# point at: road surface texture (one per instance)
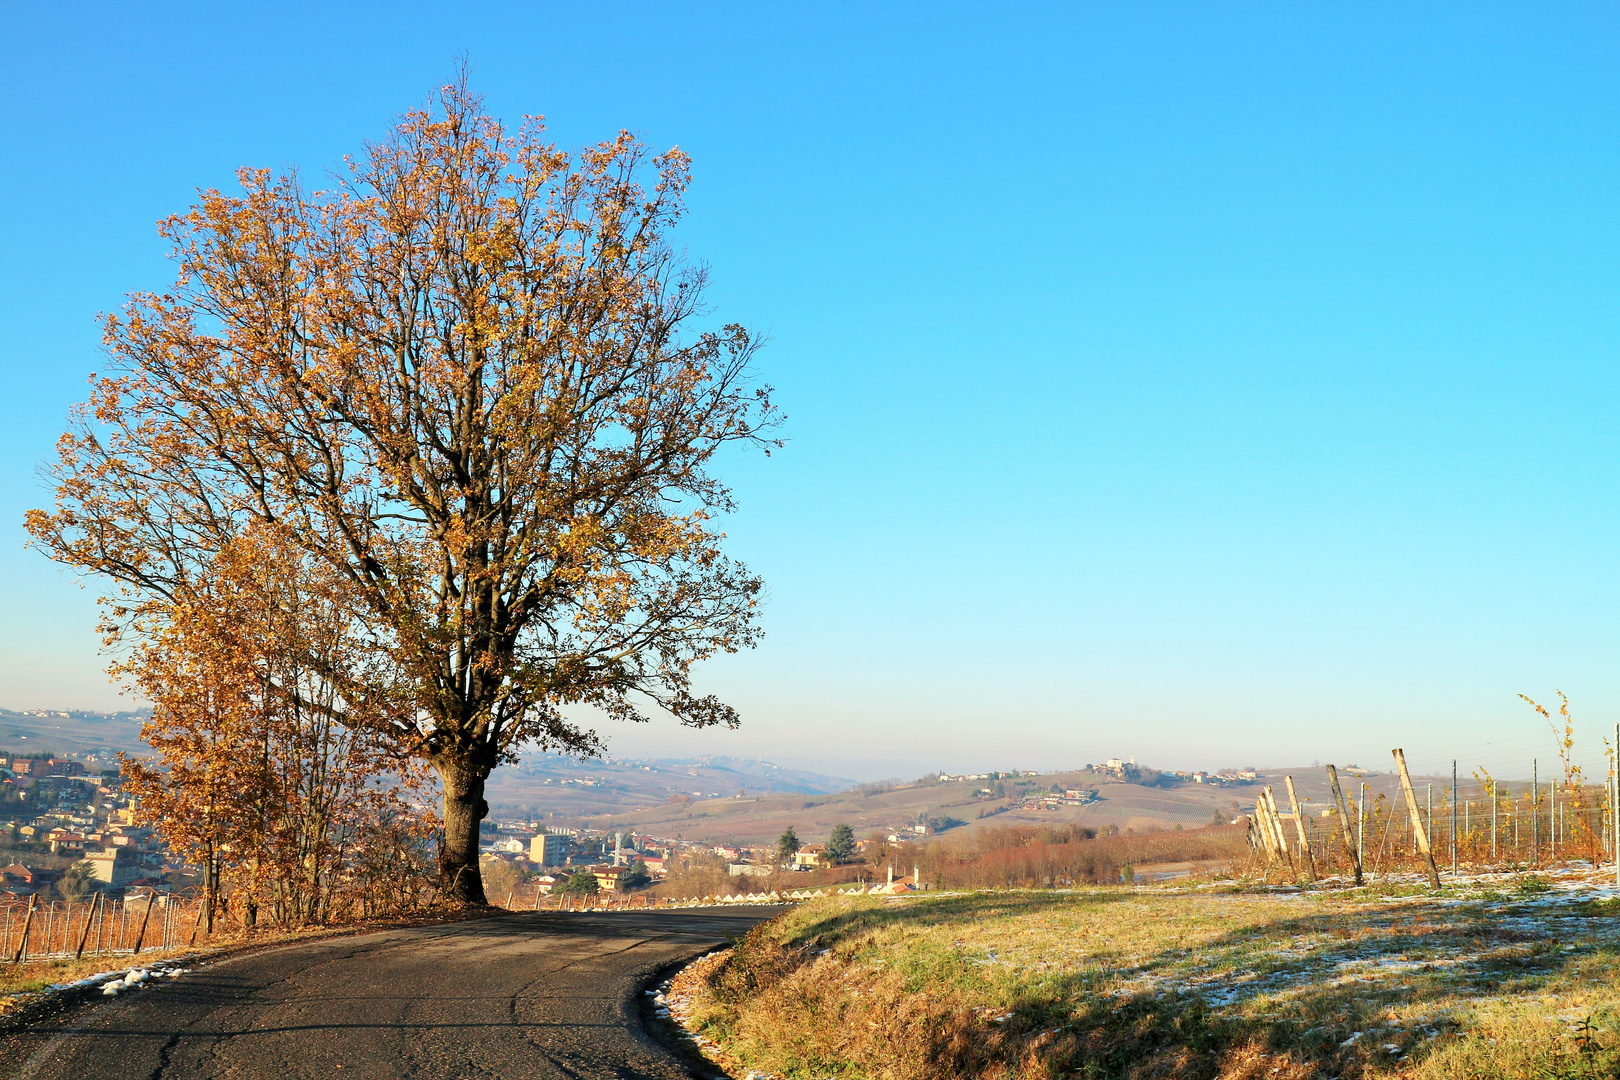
(543, 995)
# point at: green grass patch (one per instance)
(1115, 982)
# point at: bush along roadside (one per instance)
(1147, 983)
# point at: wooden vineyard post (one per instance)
(1351, 844)
(202, 906)
(1267, 813)
(1535, 811)
(1282, 831)
(1417, 818)
(1259, 832)
(1453, 816)
(1279, 830)
(89, 917)
(140, 934)
(1270, 822)
(22, 943)
(1299, 828)
(1614, 809)
(1262, 829)
(1361, 825)
(1495, 803)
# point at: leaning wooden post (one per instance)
(1280, 830)
(1350, 844)
(1299, 829)
(89, 917)
(1417, 818)
(22, 945)
(1264, 821)
(140, 935)
(1278, 836)
(202, 906)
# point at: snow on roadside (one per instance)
(125, 978)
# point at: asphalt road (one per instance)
(542, 996)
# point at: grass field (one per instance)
(1509, 976)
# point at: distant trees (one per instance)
(787, 846)
(700, 875)
(1013, 856)
(635, 876)
(77, 880)
(473, 381)
(501, 878)
(580, 883)
(940, 822)
(841, 845)
(877, 787)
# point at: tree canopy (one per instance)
(841, 844)
(472, 380)
(787, 846)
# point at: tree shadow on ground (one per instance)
(1341, 993)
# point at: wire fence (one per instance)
(1457, 825)
(95, 926)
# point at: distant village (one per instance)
(67, 826)
(549, 857)
(56, 812)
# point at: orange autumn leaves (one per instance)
(294, 816)
(474, 386)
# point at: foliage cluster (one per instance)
(1019, 856)
(265, 776)
(473, 381)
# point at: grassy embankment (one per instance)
(1503, 979)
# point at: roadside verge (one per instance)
(1500, 975)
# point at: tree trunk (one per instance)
(464, 808)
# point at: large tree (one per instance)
(473, 379)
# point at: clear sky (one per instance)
(1219, 384)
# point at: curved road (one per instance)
(545, 995)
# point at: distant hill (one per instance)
(554, 786)
(100, 735)
(670, 799)
(743, 801)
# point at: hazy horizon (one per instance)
(1214, 385)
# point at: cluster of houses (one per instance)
(552, 855)
(1053, 800)
(548, 857)
(55, 805)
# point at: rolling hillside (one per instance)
(758, 818)
(735, 801)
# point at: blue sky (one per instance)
(1221, 384)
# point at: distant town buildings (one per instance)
(549, 849)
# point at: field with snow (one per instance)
(1495, 975)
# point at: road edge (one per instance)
(34, 1006)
